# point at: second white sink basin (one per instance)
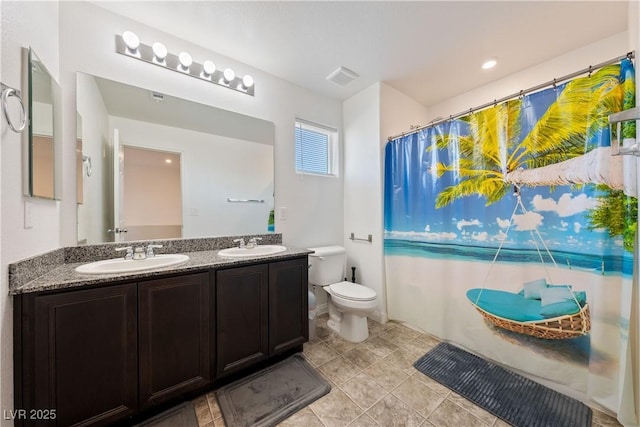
(119, 265)
(256, 251)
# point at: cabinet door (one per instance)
(241, 303)
(288, 305)
(85, 355)
(174, 337)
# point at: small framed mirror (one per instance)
(40, 148)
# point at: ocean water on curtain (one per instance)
(521, 191)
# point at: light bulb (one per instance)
(160, 52)
(208, 68)
(131, 40)
(229, 75)
(247, 81)
(185, 60)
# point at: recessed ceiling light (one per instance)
(168, 161)
(488, 64)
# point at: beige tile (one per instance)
(364, 420)
(385, 374)
(403, 359)
(339, 345)
(417, 395)
(304, 417)
(339, 370)
(379, 346)
(362, 357)
(448, 414)
(319, 354)
(211, 424)
(602, 419)
(363, 390)
(500, 423)
(375, 327)
(323, 332)
(219, 422)
(391, 411)
(213, 405)
(479, 412)
(400, 335)
(201, 407)
(335, 409)
(421, 344)
(432, 384)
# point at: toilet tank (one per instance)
(327, 265)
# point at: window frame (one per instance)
(332, 147)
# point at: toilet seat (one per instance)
(352, 291)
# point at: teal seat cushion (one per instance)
(557, 309)
(506, 304)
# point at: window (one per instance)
(316, 151)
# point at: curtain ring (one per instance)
(521, 94)
(590, 69)
(6, 93)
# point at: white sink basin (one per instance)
(256, 251)
(119, 265)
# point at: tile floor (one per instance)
(374, 384)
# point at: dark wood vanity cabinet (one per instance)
(241, 301)
(110, 354)
(288, 305)
(261, 311)
(80, 363)
(173, 337)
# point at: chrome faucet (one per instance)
(129, 252)
(138, 253)
(150, 249)
(253, 242)
(241, 241)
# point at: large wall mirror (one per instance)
(40, 147)
(164, 167)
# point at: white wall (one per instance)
(314, 205)
(369, 117)
(24, 24)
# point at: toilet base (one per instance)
(350, 327)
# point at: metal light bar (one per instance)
(629, 55)
(145, 53)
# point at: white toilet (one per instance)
(349, 303)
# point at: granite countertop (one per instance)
(64, 276)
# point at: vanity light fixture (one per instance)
(133, 42)
(129, 44)
(228, 75)
(159, 53)
(185, 62)
(208, 68)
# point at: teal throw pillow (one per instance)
(554, 295)
(533, 289)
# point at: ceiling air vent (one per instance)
(342, 76)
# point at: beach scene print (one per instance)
(510, 231)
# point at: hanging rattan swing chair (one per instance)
(560, 327)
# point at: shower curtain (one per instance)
(453, 224)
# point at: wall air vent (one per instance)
(342, 76)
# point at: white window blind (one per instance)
(315, 149)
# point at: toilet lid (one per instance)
(352, 291)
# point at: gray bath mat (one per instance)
(512, 397)
(183, 415)
(271, 395)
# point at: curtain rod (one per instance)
(437, 121)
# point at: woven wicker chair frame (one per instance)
(556, 328)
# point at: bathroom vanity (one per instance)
(107, 348)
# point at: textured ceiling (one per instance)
(430, 50)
